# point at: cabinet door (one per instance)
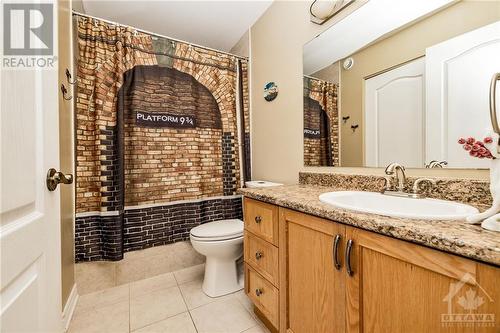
(312, 290)
(397, 286)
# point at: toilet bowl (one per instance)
(221, 242)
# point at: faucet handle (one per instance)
(387, 184)
(416, 186)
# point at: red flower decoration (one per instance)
(477, 148)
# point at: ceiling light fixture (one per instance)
(323, 10)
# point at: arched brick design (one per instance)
(170, 164)
(317, 150)
(107, 222)
(220, 80)
(102, 61)
(325, 93)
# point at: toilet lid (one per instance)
(223, 229)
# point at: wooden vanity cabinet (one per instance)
(397, 286)
(312, 288)
(260, 253)
(381, 284)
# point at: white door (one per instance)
(30, 278)
(458, 74)
(394, 116)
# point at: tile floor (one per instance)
(171, 302)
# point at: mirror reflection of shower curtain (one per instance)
(321, 123)
(157, 145)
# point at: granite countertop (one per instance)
(455, 237)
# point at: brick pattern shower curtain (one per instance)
(321, 123)
(158, 125)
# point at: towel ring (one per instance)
(493, 106)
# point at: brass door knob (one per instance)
(259, 255)
(258, 292)
(258, 219)
(54, 178)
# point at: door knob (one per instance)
(55, 177)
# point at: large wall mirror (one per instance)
(404, 87)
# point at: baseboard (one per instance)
(69, 308)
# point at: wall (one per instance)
(276, 41)
(399, 48)
(330, 73)
(242, 47)
(276, 55)
(66, 152)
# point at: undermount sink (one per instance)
(382, 204)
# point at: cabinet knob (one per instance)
(259, 255)
(258, 292)
(258, 219)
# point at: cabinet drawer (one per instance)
(263, 294)
(262, 256)
(262, 220)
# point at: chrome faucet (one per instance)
(395, 171)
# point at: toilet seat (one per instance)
(218, 230)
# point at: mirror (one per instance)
(405, 87)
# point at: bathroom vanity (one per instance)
(313, 268)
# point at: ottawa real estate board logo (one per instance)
(27, 35)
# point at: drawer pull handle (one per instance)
(348, 257)
(258, 219)
(336, 243)
(258, 292)
(259, 255)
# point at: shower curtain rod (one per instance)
(157, 35)
(312, 77)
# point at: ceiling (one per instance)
(216, 24)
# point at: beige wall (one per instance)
(276, 41)
(330, 73)
(402, 47)
(66, 148)
(77, 5)
(242, 47)
(276, 55)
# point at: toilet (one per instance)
(221, 242)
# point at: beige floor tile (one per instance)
(103, 298)
(226, 315)
(94, 276)
(155, 306)
(244, 300)
(155, 283)
(181, 323)
(190, 274)
(257, 329)
(194, 295)
(111, 318)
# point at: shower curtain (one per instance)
(161, 128)
(321, 123)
